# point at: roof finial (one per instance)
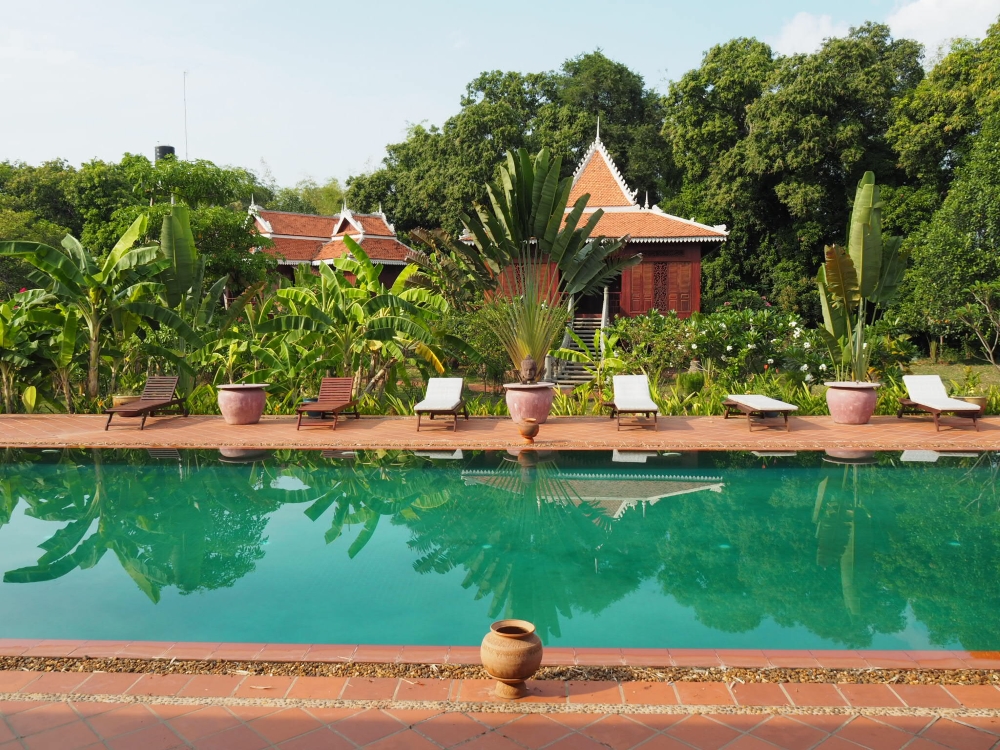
(647, 200)
(380, 208)
(598, 128)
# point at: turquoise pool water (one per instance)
(695, 550)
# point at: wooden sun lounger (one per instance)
(444, 397)
(753, 405)
(157, 396)
(335, 397)
(631, 396)
(927, 395)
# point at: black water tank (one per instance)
(162, 151)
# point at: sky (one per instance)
(311, 89)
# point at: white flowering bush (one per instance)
(737, 344)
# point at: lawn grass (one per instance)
(956, 371)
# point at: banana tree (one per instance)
(600, 360)
(182, 291)
(350, 318)
(100, 291)
(61, 347)
(17, 342)
(867, 273)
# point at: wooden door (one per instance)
(641, 292)
(679, 291)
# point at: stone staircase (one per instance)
(574, 373)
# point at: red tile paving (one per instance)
(674, 433)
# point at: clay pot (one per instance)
(511, 653)
(529, 401)
(242, 404)
(850, 402)
(528, 429)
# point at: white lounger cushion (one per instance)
(443, 394)
(762, 403)
(928, 390)
(632, 394)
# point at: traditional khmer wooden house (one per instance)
(669, 276)
(312, 240)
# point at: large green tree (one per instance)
(774, 146)
(433, 176)
(961, 243)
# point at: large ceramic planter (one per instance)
(242, 403)
(979, 401)
(122, 400)
(530, 401)
(511, 653)
(851, 402)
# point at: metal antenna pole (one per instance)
(185, 115)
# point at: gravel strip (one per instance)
(513, 707)
(473, 672)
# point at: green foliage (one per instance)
(310, 197)
(958, 248)
(772, 147)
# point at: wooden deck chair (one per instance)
(927, 395)
(444, 396)
(632, 397)
(158, 395)
(753, 405)
(335, 397)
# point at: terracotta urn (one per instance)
(851, 402)
(529, 400)
(511, 653)
(528, 429)
(242, 403)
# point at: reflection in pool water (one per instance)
(636, 550)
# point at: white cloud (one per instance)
(806, 32)
(934, 23)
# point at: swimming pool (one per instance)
(693, 550)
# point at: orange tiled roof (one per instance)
(598, 176)
(651, 223)
(291, 249)
(374, 224)
(302, 225)
(377, 249)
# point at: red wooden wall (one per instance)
(668, 278)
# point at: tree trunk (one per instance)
(7, 383)
(64, 380)
(93, 368)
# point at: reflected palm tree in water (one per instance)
(202, 529)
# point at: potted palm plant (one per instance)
(532, 255)
(527, 320)
(852, 284)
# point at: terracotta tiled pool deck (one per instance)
(674, 433)
(119, 710)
